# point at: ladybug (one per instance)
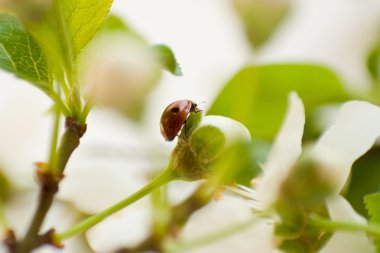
(174, 117)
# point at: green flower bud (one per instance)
(195, 155)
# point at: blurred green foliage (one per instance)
(373, 63)
(239, 163)
(4, 187)
(246, 160)
(256, 96)
(163, 54)
(260, 18)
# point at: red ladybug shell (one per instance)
(174, 117)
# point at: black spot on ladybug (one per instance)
(175, 110)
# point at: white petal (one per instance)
(217, 216)
(354, 132)
(232, 129)
(25, 131)
(179, 191)
(347, 242)
(257, 238)
(126, 228)
(97, 184)
(286, 149)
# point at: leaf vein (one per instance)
(31, 57)
(9, 57)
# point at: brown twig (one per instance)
(49, 185)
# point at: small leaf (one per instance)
(114, 23)
(372, 203)
(257, 96)
(82, 19)
(365, 169)
(19, 53)
(165, 57)
(261, 18)
(192, 122)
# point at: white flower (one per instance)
(354, 132)
(286, 149)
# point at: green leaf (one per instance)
(20, 54)
(365, 179)
(372, 203)
(257, 96)
(82, 18)
(64, 29)
(261, 18)
(165, 57)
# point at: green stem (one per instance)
(54, 140)
(183, 245)
(87, 108)
(3, 221)
(69, 142)
(161, 214)
(58, 102)
(65, 88)
(330, 225)
(164, 178)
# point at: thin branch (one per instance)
(159, 181)
(54, 139)
(331, 225)
(49, 180)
